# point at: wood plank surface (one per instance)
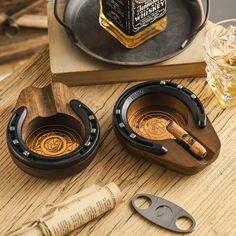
(9, 68)
(209, 196)
(25, 44)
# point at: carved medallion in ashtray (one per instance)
(51, 134)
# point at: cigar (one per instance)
(186, 139)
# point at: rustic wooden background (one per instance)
(11, 7)
(29, 40)
(209, 196)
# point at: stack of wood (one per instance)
(23, 28)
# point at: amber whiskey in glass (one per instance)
(132, 22)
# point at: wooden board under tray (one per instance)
(72, 66)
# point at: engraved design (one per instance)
(53, 141)
(152, 124)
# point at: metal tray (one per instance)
(184, 18)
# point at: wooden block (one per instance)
(72, 66)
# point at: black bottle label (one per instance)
(116, 11)
(131, 16)
(146, 12)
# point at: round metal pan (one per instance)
(184, 18)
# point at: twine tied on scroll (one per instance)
(61, 219)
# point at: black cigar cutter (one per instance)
(163, 213)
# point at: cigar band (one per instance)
(187, 138)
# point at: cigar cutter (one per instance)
(52, 134)
(163, 213)
(141, 117)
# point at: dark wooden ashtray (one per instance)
(141, 117)
(51, 134)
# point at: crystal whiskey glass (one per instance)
(220, 46)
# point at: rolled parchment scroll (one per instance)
(76, 211)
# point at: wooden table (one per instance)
(209, 196)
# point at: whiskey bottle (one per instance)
(132, 22)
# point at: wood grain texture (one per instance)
(24, 47)
(209, 196)
(8, 68)
(45, 102)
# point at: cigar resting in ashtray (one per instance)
(74, 212)
(186, 139)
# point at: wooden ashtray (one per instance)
(142, 118)
(51, 134)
